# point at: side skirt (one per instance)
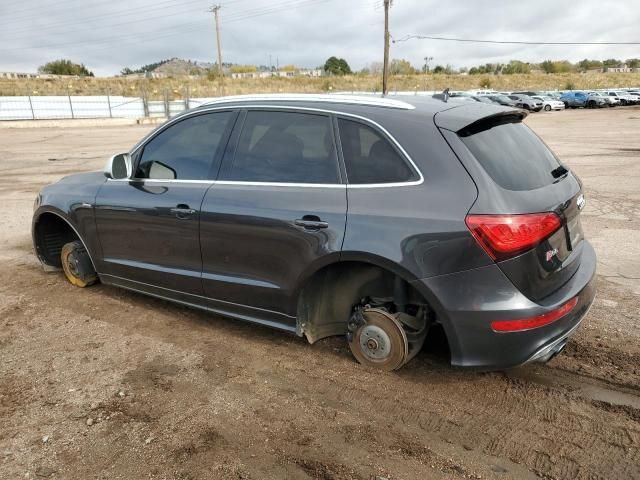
(268, 318)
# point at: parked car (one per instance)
(311, 214)
(530, 93)
(581, 99)
(549, 103)
(609, 100)
(502, 100)
(482, 99)
(624, 97)
(526, 102)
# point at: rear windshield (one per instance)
(514, 156)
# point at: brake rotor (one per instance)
(380, 341)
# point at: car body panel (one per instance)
(240, 252)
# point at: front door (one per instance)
(149, 225)
(277, 212)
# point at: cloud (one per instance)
(108, 36)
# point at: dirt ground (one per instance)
(102, 383)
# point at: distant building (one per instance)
(303, 72)
(18, 75)
(623, 68)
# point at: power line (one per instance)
(151, 36)
(504, 42)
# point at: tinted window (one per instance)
(285, 147)
(369, 157)
(512, 155)
(185, 150)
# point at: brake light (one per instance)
(534, 322)
(505, 236)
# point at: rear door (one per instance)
(277, 212)
(517, 173)
(149, 225)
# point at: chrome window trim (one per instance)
(316, 97)
(215, 108)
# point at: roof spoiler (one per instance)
(474, 117)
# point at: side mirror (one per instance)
(118, 166)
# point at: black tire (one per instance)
(77, 265)
(547, 108)
(591, 104)
(566, 105)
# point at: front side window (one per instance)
(186, 150)
(285, 147)
(369, 157)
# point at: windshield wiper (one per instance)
(558, 172)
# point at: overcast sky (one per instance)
(109, 35)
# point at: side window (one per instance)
(185, 150)
(369, 157)
(285, 147)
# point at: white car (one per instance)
(549, 103)
(611, 100)
(624, 97)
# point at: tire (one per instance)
(591, 104)
(547, 108)
(566, 105)
(77, 265)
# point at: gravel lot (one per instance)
(102, 383)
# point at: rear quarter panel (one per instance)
(418, 228)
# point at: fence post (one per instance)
(145, 103)
(186, 98)
(33, 115)
(166, 104)
(109, 102)
(70, 104)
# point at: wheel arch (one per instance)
(50, 230)
(326, 296)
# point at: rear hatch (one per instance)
(527, 215)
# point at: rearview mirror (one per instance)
(118, 166)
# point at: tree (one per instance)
(337, 66)
(401, 67)
(516, 66)
(288, 68)
(551, 66)
(243, 68)
(586, 64)
(633, 62)
(438, 69)
(65, 67)
(611, 62)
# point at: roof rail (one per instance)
(372, 100)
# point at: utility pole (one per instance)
(426, 64)
(215, 9)
(385, 65)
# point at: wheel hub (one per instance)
(375, 343)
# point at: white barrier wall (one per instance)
(112, 106)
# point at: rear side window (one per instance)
(369, 157)
(514, 156)
(185, 150)
(285, 147)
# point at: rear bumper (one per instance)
(468, 301)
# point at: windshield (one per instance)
(514, 156)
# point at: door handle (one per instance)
(311, 222)
(182, 211)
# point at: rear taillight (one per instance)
(505, 236)
(534, 322)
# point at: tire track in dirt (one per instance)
(429, 417)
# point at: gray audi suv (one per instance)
(375, 219)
